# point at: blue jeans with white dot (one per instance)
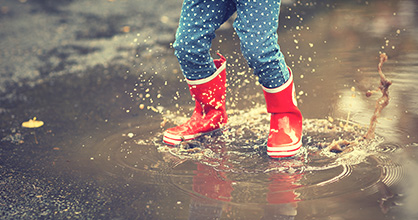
(256, 25)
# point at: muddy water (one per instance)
(100, 154)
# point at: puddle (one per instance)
(100, 152)
(231, 169)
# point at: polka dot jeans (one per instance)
(256, 25)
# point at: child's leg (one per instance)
(206, 77)
(256, 26)
(198, 22)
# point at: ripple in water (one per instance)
(232, 165)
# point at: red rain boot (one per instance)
(209, 113)
(285, 137)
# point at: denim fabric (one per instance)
(256, 25)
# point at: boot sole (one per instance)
(175, 140)
(284, 151)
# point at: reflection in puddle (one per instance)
(232, 171)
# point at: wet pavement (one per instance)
(102, 77)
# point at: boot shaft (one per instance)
(210, 93)
(282, 99)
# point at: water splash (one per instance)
(383, 101)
